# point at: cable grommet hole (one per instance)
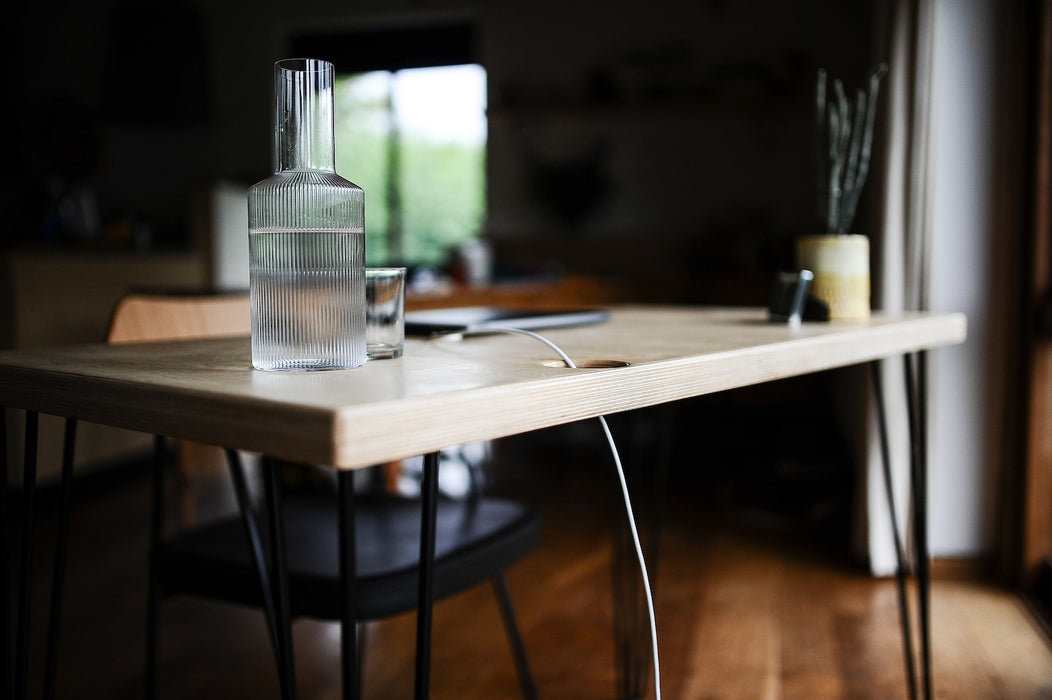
(589, 364)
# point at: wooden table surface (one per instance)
(444, 392)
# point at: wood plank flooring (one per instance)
(750, 604)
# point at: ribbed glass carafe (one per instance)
(306, 229)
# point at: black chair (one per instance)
(476, 537)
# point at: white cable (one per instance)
(624, 491)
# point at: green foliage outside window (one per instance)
(425, 158)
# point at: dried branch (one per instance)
(843, 164)
(821, 198)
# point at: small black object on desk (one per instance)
(792, 302)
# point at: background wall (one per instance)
(695, 118)
(690, 119)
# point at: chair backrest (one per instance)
(141, 317)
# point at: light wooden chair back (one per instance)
(141, 317)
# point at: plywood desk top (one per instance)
(444, 392)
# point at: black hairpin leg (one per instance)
(917, 393)
(279, 578)
(429, 514)
(901, 571)
(255, 544)
(29, 480)
(916, 373)
(153, 591)
(5, 561)
(518, 649)
(349, 648)
(59, 573)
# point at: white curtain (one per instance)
(900, 253)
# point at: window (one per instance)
(415, 141)
(411, 131)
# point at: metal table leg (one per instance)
(153, 592)
(518, 649)
(349, 652)
(28, 546)
(279, 578)
(59, 572)
(5, 561)
(29, 479)
(21, 669)
(901, 571)
(917, 388)
(919, 680)
(429, 514)
(255, 543)
(273, 579)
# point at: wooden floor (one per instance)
(752, 602)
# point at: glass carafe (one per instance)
(306, 236)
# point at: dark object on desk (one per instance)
(475, 539)
(815, 309)
(459, 319)
(792, 302)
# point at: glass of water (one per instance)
(384, 312)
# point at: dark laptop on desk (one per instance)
(479, 318)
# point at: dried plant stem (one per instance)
(842, 163)
(821, 199)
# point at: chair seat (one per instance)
(474, 538)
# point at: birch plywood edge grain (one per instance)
(445, 392)
(650, 357)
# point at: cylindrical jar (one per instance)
(840, 264)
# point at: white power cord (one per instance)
(624, 491)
